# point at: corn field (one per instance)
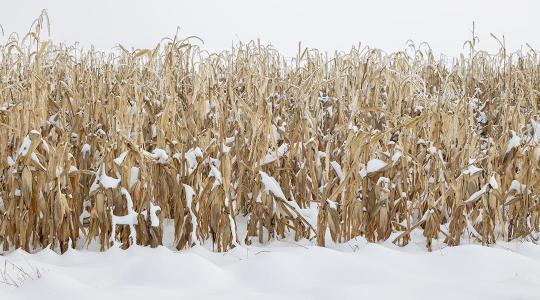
(107, 147)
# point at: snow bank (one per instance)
(284, 270)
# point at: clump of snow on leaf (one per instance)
(514, 142)
(103, 180)
(471, 170)
(271, 184)
(372, 166)
(274, 155)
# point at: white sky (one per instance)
(328, 25)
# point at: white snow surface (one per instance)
(281, 270)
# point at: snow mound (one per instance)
(283, 270)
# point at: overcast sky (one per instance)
(327, 25)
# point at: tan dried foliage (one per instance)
(191, 133)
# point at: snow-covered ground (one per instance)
(279, 270)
